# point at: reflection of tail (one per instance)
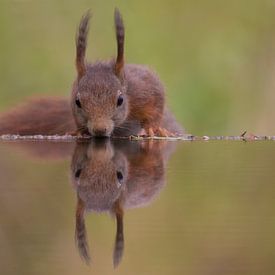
(119, 242)
(80, 232)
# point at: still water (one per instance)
(137, 207)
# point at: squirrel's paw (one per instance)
(80, 134)
(159, 132)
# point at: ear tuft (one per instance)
(81, 42)
(119, 27)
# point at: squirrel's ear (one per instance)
(119, 26)
(119, 242)
(80, 231)
(81, 42)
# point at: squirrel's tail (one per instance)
(44, 116)
(81, 43)
(120, 34)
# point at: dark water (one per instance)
(144, 207)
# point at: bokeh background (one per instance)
(215, 215)
(216, 58)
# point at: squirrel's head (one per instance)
(99, 100)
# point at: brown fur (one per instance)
(81, 42)
(120, 43)
(45, 116)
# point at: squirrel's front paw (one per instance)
(158, 132)
(81, 133)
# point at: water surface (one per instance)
(143, 207)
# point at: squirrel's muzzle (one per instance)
(101, 128)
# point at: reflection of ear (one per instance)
(119, 242)
(80, 232)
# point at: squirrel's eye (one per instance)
(119, 176)
(77, 102)
(119, 100)
(77, 173)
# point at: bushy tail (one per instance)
(81, 42)
(39, 116)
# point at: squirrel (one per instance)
(108, 99)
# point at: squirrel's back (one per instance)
(145, 86)
(45, 116)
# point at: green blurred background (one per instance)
(216, 58)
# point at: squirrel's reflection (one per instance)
(111, 176)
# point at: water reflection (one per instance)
(111, 177)
(215, 215)
(108, 176)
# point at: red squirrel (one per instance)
(108, 99)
